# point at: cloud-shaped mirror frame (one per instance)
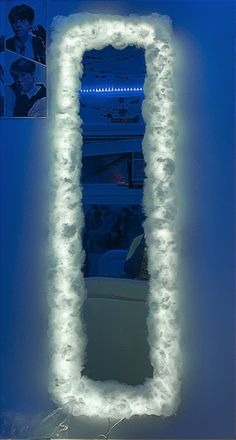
(72, 36)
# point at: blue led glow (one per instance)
(111, 89)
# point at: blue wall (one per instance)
(206, 176)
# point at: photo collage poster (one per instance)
(23, 60)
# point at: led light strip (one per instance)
(79, 395)
(112, 89)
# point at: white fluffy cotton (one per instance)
(72, 36)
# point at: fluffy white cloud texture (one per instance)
(71, 37)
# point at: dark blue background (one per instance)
(206, 172)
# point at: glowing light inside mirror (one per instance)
(111, 89)
(79, 395)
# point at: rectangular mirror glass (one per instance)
(112, 178)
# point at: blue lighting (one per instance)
(111, 90)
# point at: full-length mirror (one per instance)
(114, 186)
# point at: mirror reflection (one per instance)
(115, 268)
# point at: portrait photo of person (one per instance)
(29, 39)
(25, 97)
